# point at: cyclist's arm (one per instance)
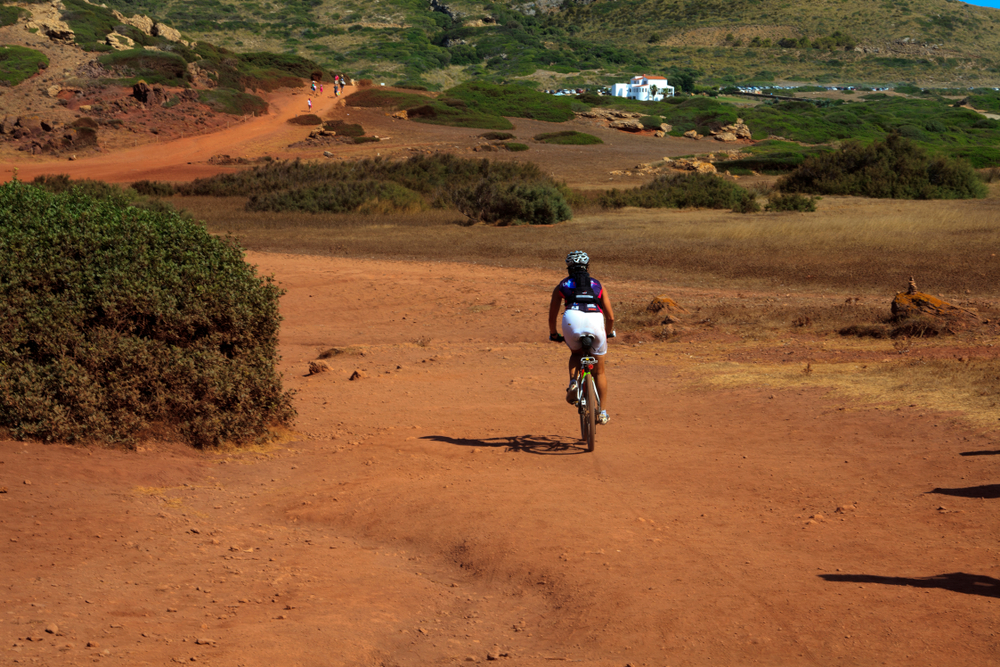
(609, 313)
(554, 309)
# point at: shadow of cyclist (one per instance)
(546, 445)
(959, 582)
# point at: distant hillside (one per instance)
(437, 42)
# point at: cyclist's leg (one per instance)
(601, 379)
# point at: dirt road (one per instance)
(438, 510)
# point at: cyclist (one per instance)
(588, 311)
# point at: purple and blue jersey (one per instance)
(581, 301)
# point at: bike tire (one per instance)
(592, 408)
(584, 418)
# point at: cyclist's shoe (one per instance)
(603, 417)
(571, 392)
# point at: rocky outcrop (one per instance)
(37, 135)
(733, 132)
(143, 23)
(119, 42)
(664, 303)
(151, 95)
(168, 33)
(627, 125)
(201, 77)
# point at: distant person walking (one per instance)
(321, 89)
(310, 103)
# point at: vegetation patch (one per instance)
(120, 318)
(306, 119)
(568, 138)
(791, 202)
(344, 129)
(384, 99)
(224, 100)
(9, 15)
(895, 168)
(151, 66)
(481, 189)
(512, 100)
(681, 191)
(90, 23)
(496, 136)
(515, 147)
(18, 63)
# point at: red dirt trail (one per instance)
(439, 510)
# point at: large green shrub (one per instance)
(118, 319)
(9, 15)
(681, 191)
(491, 200)
(151, 66)
(895, 168)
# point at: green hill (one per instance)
(930, 42)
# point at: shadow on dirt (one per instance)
(981, 491)
(531, 444)
(982, 452)
(959, 582)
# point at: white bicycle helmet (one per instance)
(577, 258)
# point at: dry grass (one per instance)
(855, 245)
(775, 280)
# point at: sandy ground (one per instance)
(440, 510)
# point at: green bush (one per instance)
(680, 191)
(494, 201)
(496, 136)
(568, 138)
(895, 168)
(18, 63)
(514, 147)
(512, 100)
(224, 100)
(791, 202)
(365, 140)
(90, 23)
(651, 122)
(119, 319)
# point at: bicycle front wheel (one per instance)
(592, 408)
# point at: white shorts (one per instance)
(576, 323)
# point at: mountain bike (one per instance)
(588, 401)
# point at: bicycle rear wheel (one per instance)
(592, 408)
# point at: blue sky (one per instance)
(984, 3)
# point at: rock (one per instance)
(53, 91)
(659, 134)
(143, 23)
(664, 303)
(166, 32)
(725, 136)
(119, 42)
(626, 125)
(147, 94)
(327, 154)
(205, 642)
(401, 115)
(93, 645)
(666, 127)
(316, 367)
(52, 628)
(358, 375)
(692, 134)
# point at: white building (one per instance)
(641, 87)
